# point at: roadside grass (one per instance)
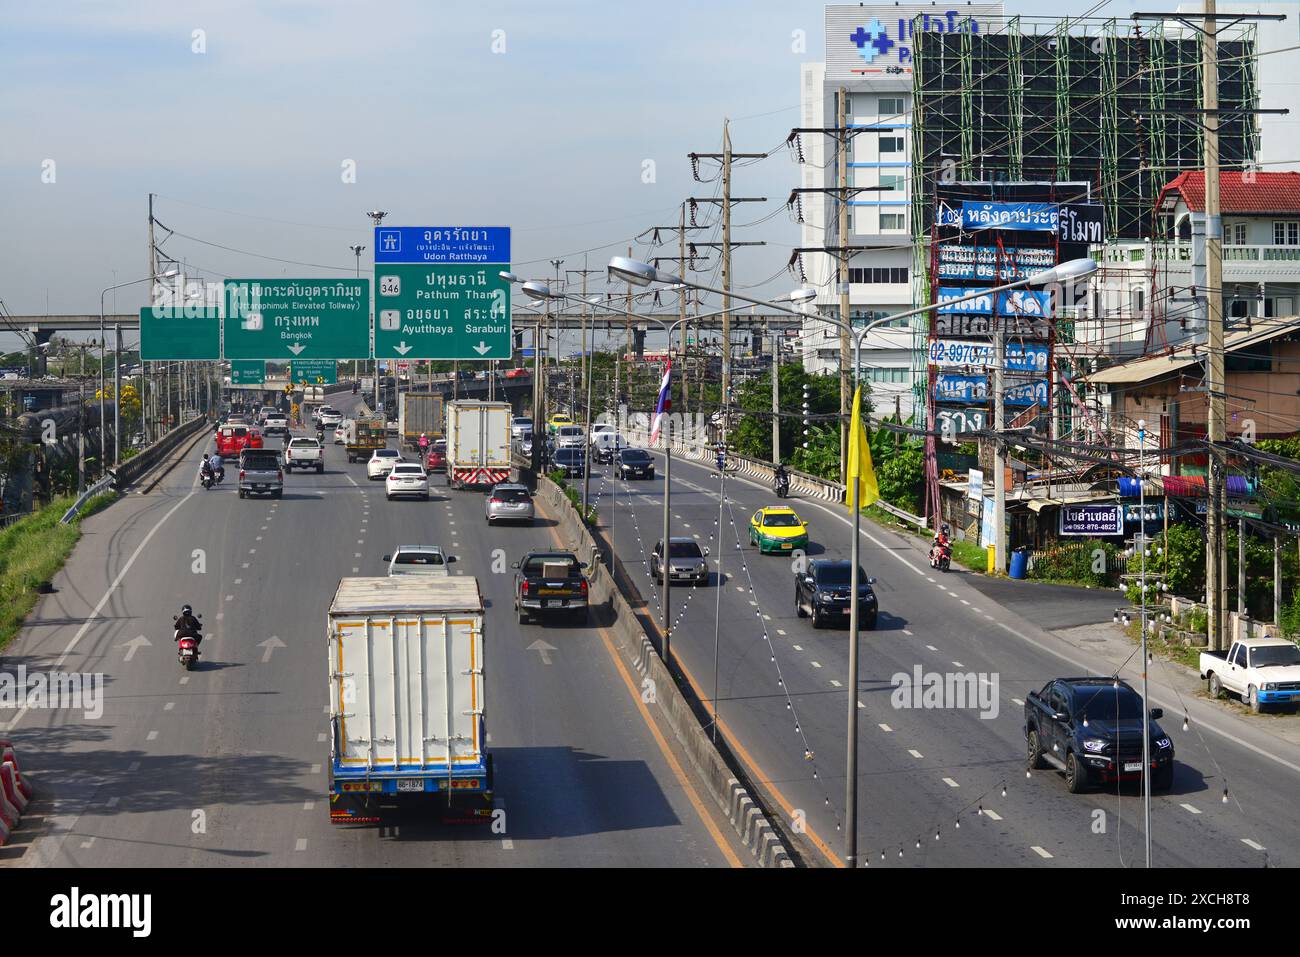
(32, 550)
(966, 554)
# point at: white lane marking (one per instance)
(99, 606)
(929, 579)
(315, 769)
(906, 632)
(300, 844)
(86, 844)
(932, 647)
(230, 598)
(1251, 844)
(308, 805)
(815, 664)
(185, 680)
(951, 783)
(958, 664)
(151, 736)
(914, 753)
(1040, 852)
(797, 647)
(767, 617)
(886, 728)
(355, 569)
(220, 615)
(836, 683)
(780, 631)
(169, 705)
(353, 481)
(1190, 808)
(239, 581)
(507, 844)
(861, 705)
(1018, 702)
(992, 815)
(243, 564)
(965, 602)
(320, 736)
(252, 551)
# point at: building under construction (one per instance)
(1109, 103)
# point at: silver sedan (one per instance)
(509, 502)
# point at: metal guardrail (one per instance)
(9, 519)
(799, 481)
(101, 486)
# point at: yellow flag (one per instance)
(861, 474)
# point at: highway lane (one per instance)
(924, 769)
(226, 766)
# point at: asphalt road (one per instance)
(226, 766)
(783, 697)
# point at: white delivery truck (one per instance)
(478, 442)
(406, 699)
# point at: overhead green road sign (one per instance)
(297, 319)
(441, 312)
(247, 372)
(314, 371)
(177, 333)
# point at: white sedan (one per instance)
(381, 462)
(407, 478)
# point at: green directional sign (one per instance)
(441, 312)
(182, 332)
(314, 371)
(247, 372)
(289, 319)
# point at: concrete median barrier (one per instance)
(732, 797)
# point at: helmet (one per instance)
(186, 610)
(205, 455)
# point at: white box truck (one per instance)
(407, 713)
(478, 442)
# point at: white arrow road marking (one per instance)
(543, 649)
(270, 645)
(402, 349)
(134, 645)
(297, 349)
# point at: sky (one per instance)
(568, 120)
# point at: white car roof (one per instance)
(384, 453)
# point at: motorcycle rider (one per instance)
(942, 540)
(782, 476)
(205, 469)
(188, 626)
(218, 466)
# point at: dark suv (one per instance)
(824, 591)
(1091, 728)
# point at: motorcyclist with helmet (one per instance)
(188, 626)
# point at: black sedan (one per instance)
(824, 589)
(572, 461)
(635, 463)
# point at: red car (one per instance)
(231, 440)
(436, 461)
(516, 373)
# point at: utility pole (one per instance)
(727, 156)
(152, 367)
(842, 273)
(776, 396)
(726, 272)
(1000, 450)
(1215, 583)
(117, 394)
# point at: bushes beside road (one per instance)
(32, 550)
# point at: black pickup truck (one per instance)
(549, 584)
(1091, 728)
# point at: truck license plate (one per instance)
(1132, 765)
(410, 784)
(554, 604)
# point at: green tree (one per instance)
(753, 434)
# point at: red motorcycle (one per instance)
(187, 653)
(941, 555)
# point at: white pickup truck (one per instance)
(1261, 671)
(304, 454)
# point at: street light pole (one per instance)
(1146, 710)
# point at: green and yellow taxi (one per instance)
(777, 529)
(557, 422)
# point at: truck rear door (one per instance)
(409, 692)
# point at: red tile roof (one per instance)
(1240, 192)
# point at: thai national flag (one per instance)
(665, 402)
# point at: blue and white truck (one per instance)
(407, 711)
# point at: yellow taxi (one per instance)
(777, 529)
(557, 421)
